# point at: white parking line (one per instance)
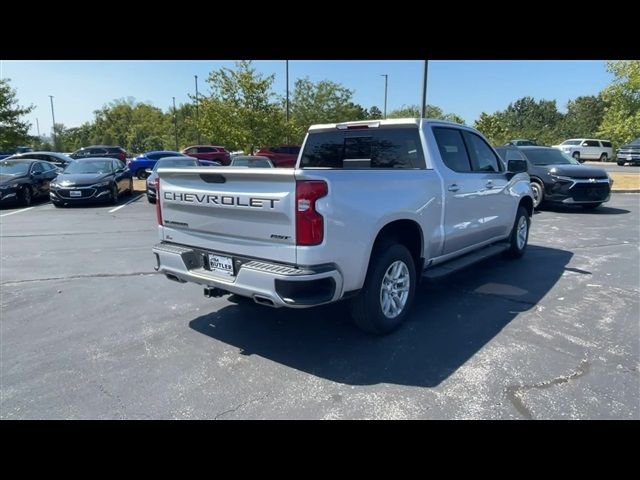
(125, 204)
(16, 211)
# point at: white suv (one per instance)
(587, 149)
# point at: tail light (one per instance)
(309, 223)
(122, 156)
(158, 199)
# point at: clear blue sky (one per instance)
(463, 87)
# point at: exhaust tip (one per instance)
(263, 301)
(174, 278)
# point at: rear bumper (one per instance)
(268, 283)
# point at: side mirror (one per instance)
(517, 166)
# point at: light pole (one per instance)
(197, 112)
(287, 102)
(386, 78)
(175, 122)
(424, 90)
(38, 126)
(54, 124)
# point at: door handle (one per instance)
(490, 184)
(453, 188)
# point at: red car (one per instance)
(284, 156)
(209, 152)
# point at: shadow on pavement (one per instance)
(450, 322)
(602, 210)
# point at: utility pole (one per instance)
(197, 112)
(287, 81)
(53, 130)
(38, 126)
(386, 78)
(423, 108)
(175, 122)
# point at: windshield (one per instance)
(251, 162)
(549, 156)
(635, 142)
(14, 167)
(90, 166)
(571, 142)
(164, 163)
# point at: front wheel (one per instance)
(604, 157)
(26, 196)
(590, 206)
(130, 187)
(114, 194)
(538, 193)
(141, 174)
(387, 295)
(519, 234)
(576, 155)
(620, 164)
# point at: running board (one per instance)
(465, 261)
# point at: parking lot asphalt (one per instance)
(89, 330)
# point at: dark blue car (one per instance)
(139, 165)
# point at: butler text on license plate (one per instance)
(221, 264)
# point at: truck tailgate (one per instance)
(241, 211)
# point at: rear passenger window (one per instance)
(37, 167)
(452, 149)
(592, 143)
(370, 148)
(482, 157)
(606, 144)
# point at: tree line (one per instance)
(241, 111)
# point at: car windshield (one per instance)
(90, 166)
(549, 156)
(14, 167)
(571, 142)
(177, 162)
(251, 162)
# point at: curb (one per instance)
(626, 191)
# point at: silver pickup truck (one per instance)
(370, 208)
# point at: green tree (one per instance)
(431, 111)
(321, 102)
(621, 120)
(493, 126)
(375, 113)
(240, 111)
(539, 121)
(584, 116)
(14, 130)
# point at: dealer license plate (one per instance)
(221, 264)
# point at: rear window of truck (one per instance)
(364, 149)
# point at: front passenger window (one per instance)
(482, 157)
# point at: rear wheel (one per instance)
(604, 157)
(538, 193)
(590, 206)
(26, 195)
(576, 155)
(141, 174)
(519, 234)
(387, 295)
(151, 199)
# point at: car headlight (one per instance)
(101, 184)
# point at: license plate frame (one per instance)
(220, 264)
(75, 193)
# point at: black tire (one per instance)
(58, 204)
(516, 247)
(604, 157)
(538, 193)
(130, 189)
(151, 199)
(366, 309)
(141, 174)
(590, 206)
(620, 164)
(576, 155)
(114, 194)
(25, 195)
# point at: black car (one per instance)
(91, 180)
(58, 159)
(24, 180)
(101, 151)
(558, 178)
(521, 142)
(629, 153)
